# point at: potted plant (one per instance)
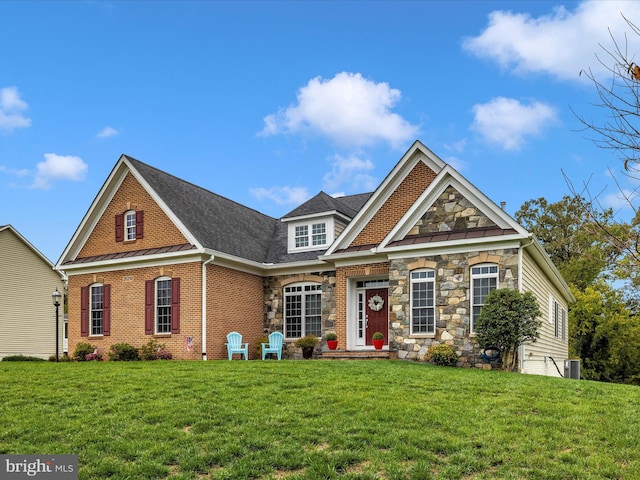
(332, 340)
(378, 340)
(307, 344)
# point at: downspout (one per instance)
(204, 307)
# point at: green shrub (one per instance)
(82, 350)
(259, 342)
(443, 355)
(123, 352)
(153, 350)
(309, 341)
(331, 336)
(378, 336)
(22, 358)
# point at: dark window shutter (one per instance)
(84, 311)
(106, 310)
(149, 306)
(175, 305)
(120, 227)
(139, 224)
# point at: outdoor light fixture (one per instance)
(57, 300)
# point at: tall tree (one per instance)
(576, 246)
(605, 335)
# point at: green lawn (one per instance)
(316, 420)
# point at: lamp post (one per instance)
(56, 297)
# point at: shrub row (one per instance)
(122, 352)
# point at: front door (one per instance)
(377, 313)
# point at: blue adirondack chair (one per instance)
(274, 345)
(234, 345)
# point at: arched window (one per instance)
(303, 310)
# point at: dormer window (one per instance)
(310, 235)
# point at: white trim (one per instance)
(90, 312)
(329, 233)
(412, 281)
(473, 277)
(312, 216)
(101, 202)
(440, 248)
(446, 178)
(156, 280)
(204, 306)
(416, 153)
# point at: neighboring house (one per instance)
(158, 258)
(27, 314)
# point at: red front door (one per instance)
(377, 310)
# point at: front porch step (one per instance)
(355, 355)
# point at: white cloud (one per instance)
(14, 171)
(349, 170)
(506, 122)
(11, 108)
(282, 195)
(620, 200)
(561, 43)
(59, 167)
(107, 132)
(348, 109)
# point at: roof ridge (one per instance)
(198, 186)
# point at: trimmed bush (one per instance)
(22, 358)
(82, 350)
(123, 352)
(443, 355)
(153, 350)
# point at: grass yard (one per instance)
(317, 420)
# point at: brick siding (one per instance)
(159, 230)
(396, 206)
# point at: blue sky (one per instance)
(267, 103)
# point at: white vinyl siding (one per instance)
(539, 356)
(27, 314)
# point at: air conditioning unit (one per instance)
(572, 369)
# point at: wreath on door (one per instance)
(375, 303)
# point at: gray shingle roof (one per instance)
(322, 202)
(216, 222)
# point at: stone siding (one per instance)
(452, 297)
(274, 306)
(451, 211)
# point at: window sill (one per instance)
(96, 337)
(161, 335)
(422, 335)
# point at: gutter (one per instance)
(204, 306)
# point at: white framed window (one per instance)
(96, 309)
(558, 318)
(130, 225)
(163, 305)
(423, 317)
(311, 234)
(318, 234)
(302, 236)
(303, 310)
(484, 279)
